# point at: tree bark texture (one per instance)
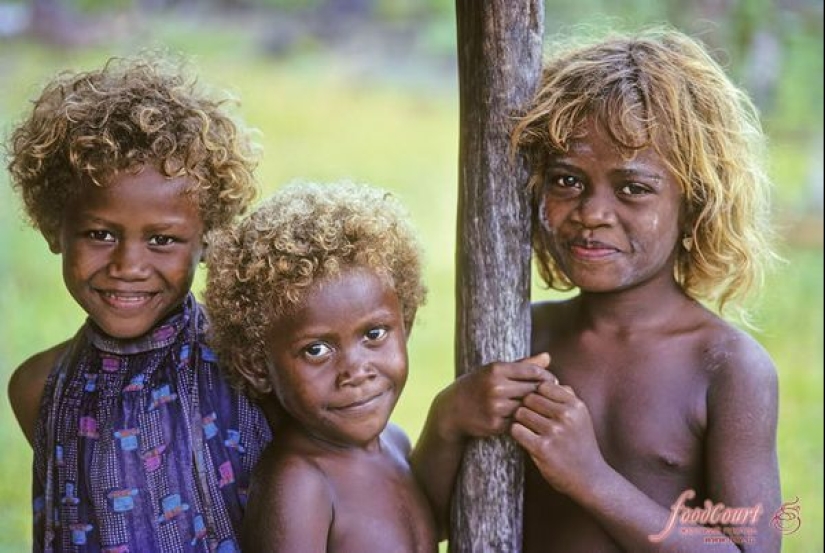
(499, 62)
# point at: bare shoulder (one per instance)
(26, 386)
(732, 352)
(741, 370)
(398, 439)
(283, 471)
(284, 488)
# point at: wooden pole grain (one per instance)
(499, 60)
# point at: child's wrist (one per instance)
(444, 420)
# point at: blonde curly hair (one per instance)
(86, 127)
(661, 89)
(262, 268)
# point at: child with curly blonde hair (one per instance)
(649, 197)
(139, 442)
(313, 297)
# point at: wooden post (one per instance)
(499, 63)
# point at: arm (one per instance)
(742, 464)
(290, 508)
(475, 405)
(555, 429)
(26, 387)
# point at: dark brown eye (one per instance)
(317, 350)
(161, 240)
(377, 333)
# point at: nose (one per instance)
(128, 262)
(356, 369)
(596, 208)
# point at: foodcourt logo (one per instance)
(786, 519)
(693, 520)
(719, 523)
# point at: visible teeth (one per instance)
(126, 297)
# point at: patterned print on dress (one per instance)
(233, 440)
(91, 382)
(199, 528)
(227, 474)
(79, 532)
(226, 546)
(162, 395)
(88, 427)
(171, 506)
(210, 429)
(122, 500)
(128, 438)
(99, 455)
(69, 498)
(207, 354)
(152, 459)
(136, 384)
(110, 363)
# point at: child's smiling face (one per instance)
(130, 250)
(611, 221)
(339, 363)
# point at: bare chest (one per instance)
(380, 508)
(647, 402)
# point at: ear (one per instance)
(409, 322)
(53, 240)
(204, 251)
(257, 379)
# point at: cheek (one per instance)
(296, 389)
(664, 228)
(181, 268)
(657, 235)
(78, 263)
(548, 215)
(400, 364)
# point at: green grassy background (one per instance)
(325, 115)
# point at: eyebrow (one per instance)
(635, 172)
(632, 171)
(167, 223)
(379, 316)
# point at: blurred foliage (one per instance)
(369, 93)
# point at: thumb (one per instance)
(541, 359)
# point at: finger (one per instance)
(521, 370)
(547, 376)
(544, 406)
(518, 389)
(504, 409)
(535, 421)
(526, 438)
(540, 360)
(556, 392)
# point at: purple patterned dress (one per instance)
(142, 446)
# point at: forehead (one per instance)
(600, 142)
(596, 143)
(146, 191)
(342, 298)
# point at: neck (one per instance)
(300, 438)
(648, 306)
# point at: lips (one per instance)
(592, 249)
(125, 299)
(365, 403)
